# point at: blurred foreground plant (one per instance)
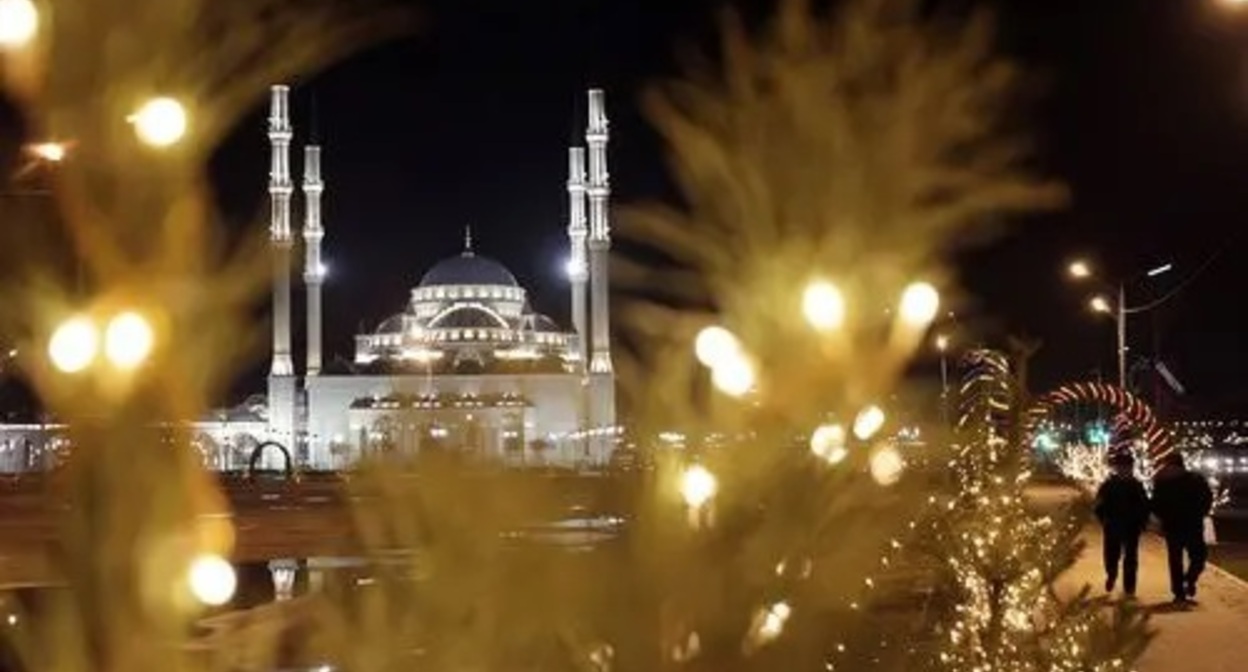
(139, 93)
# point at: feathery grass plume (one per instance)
(141, 225)
(859, 147)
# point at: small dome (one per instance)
(468, 269)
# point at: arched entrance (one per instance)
(257, 453)
(1131, 414)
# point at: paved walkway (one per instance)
(1211, 636)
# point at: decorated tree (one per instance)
(1003, 548)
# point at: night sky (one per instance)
(1144, 112)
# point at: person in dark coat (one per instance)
(1122, 508)
(1181, 501)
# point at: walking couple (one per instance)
(1181, 501)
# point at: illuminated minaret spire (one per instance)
(602, 377)
(313, 267)
(280, 189)
(282, 372)
(578, 269)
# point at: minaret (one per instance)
(313, 269)
(602, 376)
(578, 269)
(282, 372)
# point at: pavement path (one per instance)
(1210, 636)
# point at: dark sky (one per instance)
(1145, 114)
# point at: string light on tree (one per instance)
(128, 340)
(823, 305)
(697, 486)
(869, 421)
(734, 376)
(887, 465)
(715, 345)
(52, 152)
(160, 122)
(828, 442)
(919, 303)
(212, 580)
(74, 344)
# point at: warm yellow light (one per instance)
(19, 21)
(697, 486)
(824, 305)
(828, 442)
(1079, 269)
(942, 343)
(887, 465)
(734, 376)
(869, 421)
(919, 303)
(212, 580)
(73, 345)
(52, 152)
(715, 345)
(160, 122)
(128, 340)
(1099, 304)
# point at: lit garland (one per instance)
(1131, 413)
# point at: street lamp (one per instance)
(942, 345)
(1081, 270)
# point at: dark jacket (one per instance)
(1122, 504)
(1181, 500)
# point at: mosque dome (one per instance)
(468, 269)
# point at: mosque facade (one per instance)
(466, 364)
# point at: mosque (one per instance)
(467, 364)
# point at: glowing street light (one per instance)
(19, 21)
(1100, 304)
(1079, 269)
(919, 303)
(697, 486)
(128, 340)
(869, 421)
(212, 580)
(160, 122)
(823, 305)
(73, 345)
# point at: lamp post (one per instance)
(942, 345)
(1118, 309)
